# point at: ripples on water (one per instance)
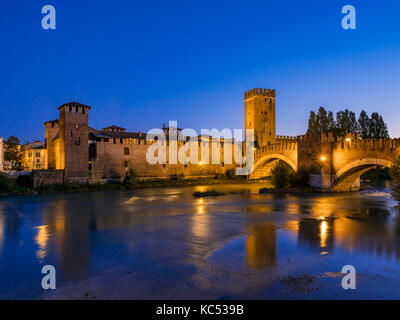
(163, 243)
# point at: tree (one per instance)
(281, 175)
(395, 174)
(364, 125)
(312, 124)
(12, 152)
(322, 120)
(346, 123)
(378, 127)
(331, 122)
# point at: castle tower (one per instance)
(74, 140)
(259, 107)
(51, 134)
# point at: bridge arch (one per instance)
(265, 163)
(348, 175)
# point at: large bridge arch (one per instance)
(348, 175)
(264, 164)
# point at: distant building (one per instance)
(34, 156)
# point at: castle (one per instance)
(75, 152)
(84, 154)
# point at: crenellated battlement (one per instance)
(259, 92)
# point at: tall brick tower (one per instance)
(259, 107)
(74, 144)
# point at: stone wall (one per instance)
(74, 139)
(112, 161)
(45, 177)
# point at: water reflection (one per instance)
(261, 245)
(317, 234)
(41, 240)
(82, 233)
(200, 220)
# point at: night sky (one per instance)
(142, 63)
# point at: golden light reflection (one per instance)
(323, 233)
(323, 158)
(261, 246)
(200, 225)
(41, 240)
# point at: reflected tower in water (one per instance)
(317, 234)
(261, 245)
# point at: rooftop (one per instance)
(74, 103)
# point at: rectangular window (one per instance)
(126, 164)
(38, 154)
(126, 151)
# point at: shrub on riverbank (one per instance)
(6, 184)
(10, 186)
(130, 179)
(301, 178)
(395, 174)
(284, 177)
(281, 175)
(209, 193)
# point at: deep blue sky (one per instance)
(142, 63)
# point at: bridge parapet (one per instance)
(276, 147)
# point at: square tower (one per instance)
(259, 108)
(74, 140)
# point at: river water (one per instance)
(165, 244)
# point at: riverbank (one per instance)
(291, 190)
(16, 190)
(164, 243)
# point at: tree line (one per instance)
(12, 153)
(346, 122)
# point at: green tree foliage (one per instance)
(312, 124)
(12, 152)
(6, 184)
(346, 123)
(378, 127)
(395, 174)
(281, 175)
(301, 178)
(130, 179)
(364, 125)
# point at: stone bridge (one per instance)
(336, 164)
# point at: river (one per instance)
(164, 244)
